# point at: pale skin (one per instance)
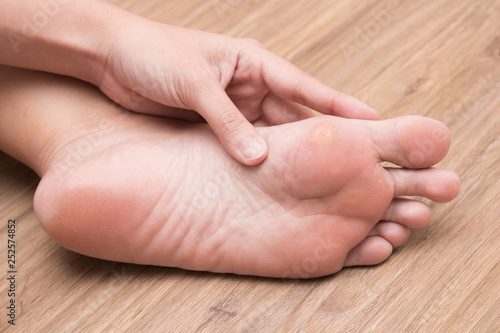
(159, 69)
(122, 186)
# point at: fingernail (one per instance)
(253, 148)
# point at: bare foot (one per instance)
(148, 190)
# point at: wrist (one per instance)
(63, 37)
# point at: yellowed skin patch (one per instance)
(354, 196)
(322, 134)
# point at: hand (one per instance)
(230, 82)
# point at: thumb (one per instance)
(236, 134)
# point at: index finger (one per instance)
(291, 83)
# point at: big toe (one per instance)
(413, 142)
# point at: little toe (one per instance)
(435, 184)
(371, 251)
(395, 233)
(412, 142)
(410, 213)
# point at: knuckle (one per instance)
(230, 123)
(298, 94)
(333, 102)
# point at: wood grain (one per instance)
(434, 58)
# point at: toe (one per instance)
(412, 142)
(410, 213)
(435, 184)
(395, 233)
(371, 251)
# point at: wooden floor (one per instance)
(434, 58)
